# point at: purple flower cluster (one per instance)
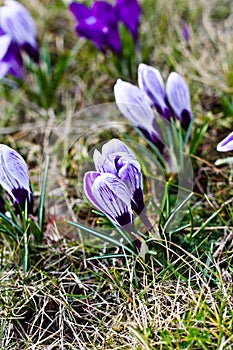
(14, 177)
(100, 23)
(17, 33)
(116, 186)
(171, 102)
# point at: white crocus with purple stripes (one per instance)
(14, 176)
(116, 186)
(16, 21)
(135, 105)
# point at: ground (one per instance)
(77, 292)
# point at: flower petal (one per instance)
(80, 11)
(179, 97)
(14, 177)
(5, 41)
(129, 12)
(151, 82)
(11, 62)
(16, 20)
(226, 144)
(110, 195)
(134, 104)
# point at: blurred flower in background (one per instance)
(186, 32)
(17, 35)
(100, 23)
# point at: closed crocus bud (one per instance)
(14, 177)
(226, 144)
(135, 105)
(10, 58)
(118, 159)
(116, 187)
(110, 195)
(129, 12)
(179, 98)
(16, 21)
(151, 82)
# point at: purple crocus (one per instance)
(116, 186)
(98, 24)
(129, 12)
(135, 105)
(17, 34)
(14, 177)
(226, 144)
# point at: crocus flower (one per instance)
(98, 24)
(129, 12)
(151, 82)
(116, 186)
(226, 144)
(135, 105)
(16, 21)
(14, 177)
(17, 34)
(174, 99)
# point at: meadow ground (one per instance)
(76, 291)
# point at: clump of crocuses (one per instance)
(116, 186)
(17, 35)
(172, 101)
(14, 177)
(100, 23)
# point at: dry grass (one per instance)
(71, 300)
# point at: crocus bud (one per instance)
(117, 183)
(135, 105)
(16, 21)
(226, 144)
(151, 82)
(14, 177)
(179, 98)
